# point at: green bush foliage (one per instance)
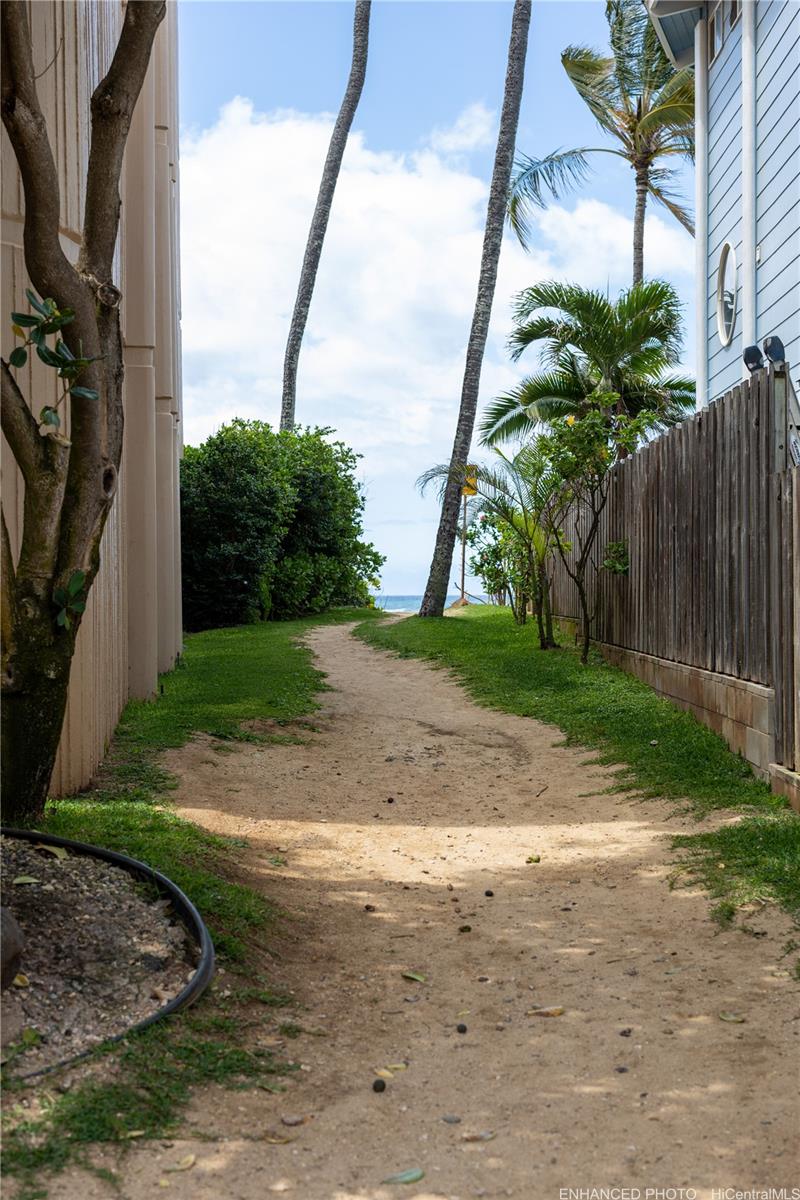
(271, 526)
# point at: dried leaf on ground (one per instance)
(59, 852)
(184, 1164)
(411, 1176)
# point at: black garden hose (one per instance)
(190, 918)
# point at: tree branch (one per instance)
(20, 428)
(7, 596)
(113, 103)
(48, 267)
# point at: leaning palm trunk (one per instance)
(436, 588)
(322, 210)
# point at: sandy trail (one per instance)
(638, 1084)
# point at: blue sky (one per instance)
(390, 319)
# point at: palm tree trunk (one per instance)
(322, 210)
(436, 588)
(642, 179)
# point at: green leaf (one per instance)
(47, 356)
(37, 336)
(77, 606)
(411, 1176)
(62, 619)
(49, 416)
(63, 351)
(60, 597)
(76, 582)
(36, 302)
(414, 975)
(83, 393)
(18, 356)
(26, 319)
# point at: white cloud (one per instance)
(384, 350)
(473, 129)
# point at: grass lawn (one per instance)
(227, 676)
(656, 749)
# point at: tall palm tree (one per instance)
(591, 344)
(438, 577)
(322, 210)
(515, 491)
(638, 97)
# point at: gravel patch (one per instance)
(101, 954)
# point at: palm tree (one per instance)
(515, 491)
(322, 210)
(438, 577)
(638, 97)
(591, 344)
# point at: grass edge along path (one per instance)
(656, 749)
(139, 1088)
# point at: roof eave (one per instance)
(657, 9)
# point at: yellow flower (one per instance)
(570, 419)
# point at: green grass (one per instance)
(656, 749)
(227, 676)
(151, 1085)
(756, 859)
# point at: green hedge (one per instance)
(271, 526)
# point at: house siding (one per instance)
(79, 40)
(724, 202)
(777, 187)
(778, 175)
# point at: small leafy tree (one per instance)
(271, 526)
(500, 563)
(237, 502)
(70, 482)
(323, 559)
(581, 453)
(514, 492)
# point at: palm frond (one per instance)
(658, 190)
(556, 174)
(440, 474)
(538, 398)
(594, 79)
(672, 108)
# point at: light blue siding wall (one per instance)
(778, 175)
(724, 202)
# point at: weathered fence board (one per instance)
(710, 514)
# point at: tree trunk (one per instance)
(436, 588)
(585, 619)
(544, 586)
(642, 180)
(322, 210)
(33, 714)
(69, 485)
(539, 607)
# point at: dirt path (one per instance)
(414, 800)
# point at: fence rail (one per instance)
(710, 514)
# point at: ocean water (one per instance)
(407, 604)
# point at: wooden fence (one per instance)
(710, 514)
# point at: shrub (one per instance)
(271, 526)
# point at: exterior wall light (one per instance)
(773, 348)
(753, 359)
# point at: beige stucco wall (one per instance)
(132, 624)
